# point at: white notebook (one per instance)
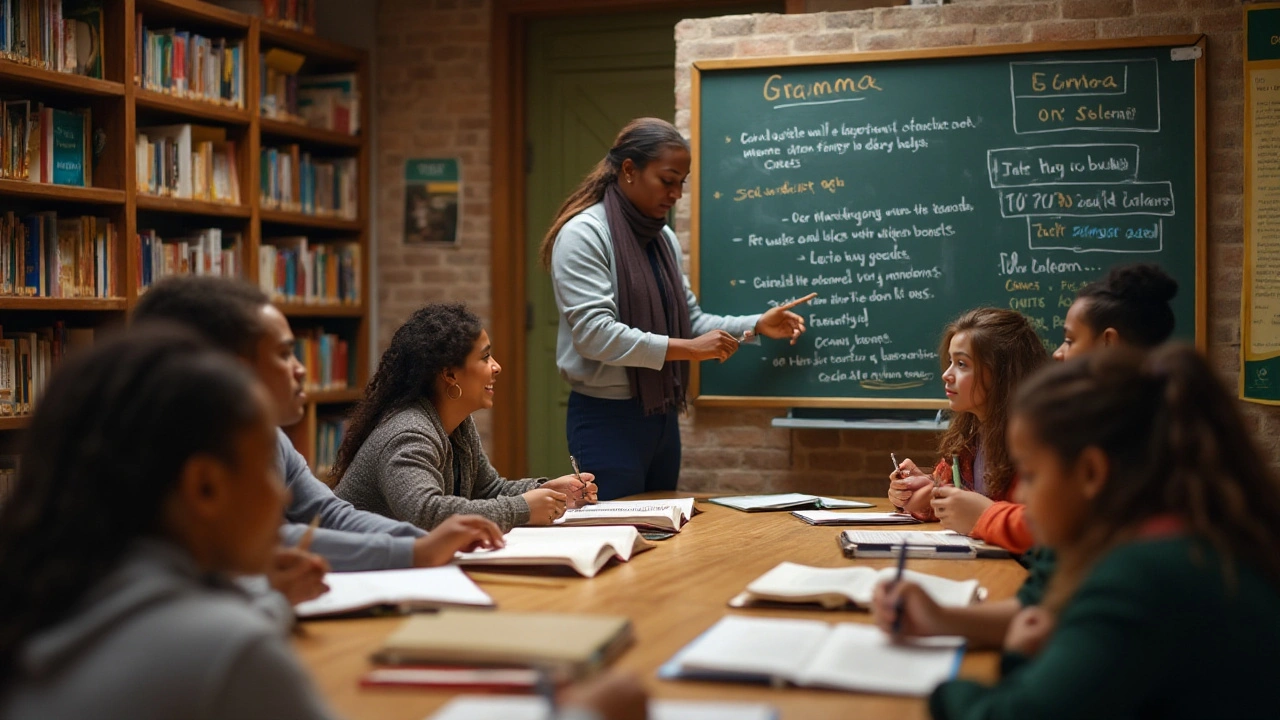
(668, 515)
(488, 707)
(403, 590)
(585, 549)
(846, 656)
(785, 501)
(825, 517)
(936, 544)
(840, 587)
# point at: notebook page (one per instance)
(623, 511)
(351, 591)
(793, 580)
(818, 517)
(923, 538)
(761, 647)
(488, 707)
(863, 659)
(751, 502)
(581, 547)
(836, 504)
(944, 591)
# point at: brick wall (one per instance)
(732, 450)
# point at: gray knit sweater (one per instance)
(404, 470)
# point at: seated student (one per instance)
(1139, 471)
(239, 318)
(1129, 307)
(148, 476)
(411, 450)
(986, 353)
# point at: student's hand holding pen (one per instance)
(904, 609)
(296, 573)
(580, 490)
(905, 484)
(546, 505)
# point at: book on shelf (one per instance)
(28, 358)
(43, 144)
(44, 255)
(785, 501)
(189, 65)
(399, 590)
(855, 657)
(329, 433)
(935, 544)
(53, 35)
(826, 517)
(847, 587)
(8, 472)
(292, 180)
(291, 14)
(326, 357)
(208, 251)
(192, 162)
(585, 550)
(278, 84)
(291, 269)
(564, 645)
(330, 102)
(533, 707)
(666, 515)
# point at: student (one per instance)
(1130, 306)
(986, 353)
(148, 477)
(239, 318)
(629, 325)
(412, 451)
(1140, 472)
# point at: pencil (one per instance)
(899, 606)
(305, 543)
(955, 470)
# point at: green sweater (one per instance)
(1153, 632)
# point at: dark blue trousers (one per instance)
(628, 452)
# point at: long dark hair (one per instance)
(433, 339)
(641, 141)
(1176, 444)
(1006, 350)
(106, 446)
(1133, 299)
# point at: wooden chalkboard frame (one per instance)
(695, 131)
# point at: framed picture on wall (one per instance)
(432, 195)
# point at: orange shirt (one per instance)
(1004, 524)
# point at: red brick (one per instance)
(942, 37)
(908, 17)
(998, 14)
(834, 460)
(848, 20)
(787, 24)
(1080, 9)
(1149, 25)
(1001, 34)
(1226, 21)
(883, 40)
(816, 438)
(762, 47)
(823, 43)
(1055, 30)
(732, 26)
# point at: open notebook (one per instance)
(585, 549)
(402, 590)
(785, 501)
(481, 707)
(667, 515)
(835, 588)
(824, 517)
(846, 656)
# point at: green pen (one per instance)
(955, 470)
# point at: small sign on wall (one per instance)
(432, 189)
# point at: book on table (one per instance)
(586, 550)
(826, 517)
(846, 656)
(398, 590)
(481, 707)
(666, 515)
(847, 587)
(785, 501)
(935, 544)
(563, 645)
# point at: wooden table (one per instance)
(672, 594)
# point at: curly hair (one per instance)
(433, 339)
(1006, 350)
(228, 313)
(1133, 299)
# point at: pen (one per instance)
(955, 470)
(899, 606)
(547, 690)
(577, 474)
(894, 458)
(305, 543)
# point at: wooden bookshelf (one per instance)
(119, 106)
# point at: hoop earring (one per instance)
(449, 392)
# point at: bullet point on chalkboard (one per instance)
(733, 282)
(727, 140)
(737, 239)
(717, 195)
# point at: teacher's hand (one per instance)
(715, 345)
(780, 323)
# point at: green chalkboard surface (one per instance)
(907, 188)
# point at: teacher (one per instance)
(629, 324)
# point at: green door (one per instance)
(587, 77)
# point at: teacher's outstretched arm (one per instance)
(780, 323)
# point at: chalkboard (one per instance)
(906, 188)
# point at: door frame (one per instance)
(508, 38)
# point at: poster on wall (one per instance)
(432, 190)
(1260, 289)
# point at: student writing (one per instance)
(985, 353)
(238, 318)
(412, 451)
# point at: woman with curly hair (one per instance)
(412, 452)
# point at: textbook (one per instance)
(785, 501)
(844, 587)
(584, 549)
(665, 515)
(847, 656)
(480, 707)
(824, 517)
(400, 590)
(487, 679)
(564, 645)
(936, 544)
